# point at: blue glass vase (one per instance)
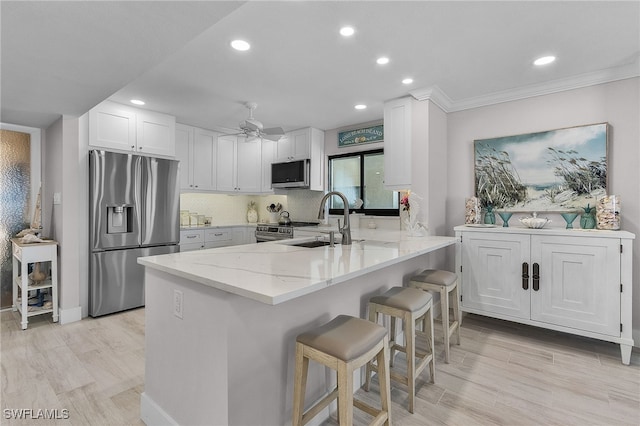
(505, 216)
(490, 216)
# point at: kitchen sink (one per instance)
(312, 244)
(318, 243)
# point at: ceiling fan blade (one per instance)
(251, 124)
(274, 131)
(233, 134)
(274, 138)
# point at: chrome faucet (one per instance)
(346, 228)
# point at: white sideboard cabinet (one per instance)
(575, 281)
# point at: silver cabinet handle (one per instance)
(192, 236)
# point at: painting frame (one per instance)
(557, 170)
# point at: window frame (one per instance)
(369, 212)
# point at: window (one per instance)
(360, 176)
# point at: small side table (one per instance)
(24, 254)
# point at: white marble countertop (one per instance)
(217, 225)
(275, 272)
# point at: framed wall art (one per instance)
(555, 170)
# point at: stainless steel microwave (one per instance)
(292, 174)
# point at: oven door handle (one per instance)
(261, 238)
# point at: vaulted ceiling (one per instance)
(65, 57)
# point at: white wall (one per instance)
(617, 103)
(63, 221)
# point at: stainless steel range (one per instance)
(274, 232)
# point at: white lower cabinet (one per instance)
(192, 239)
(568, 280)
(218, 237)
(196, 239)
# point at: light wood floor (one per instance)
(502, 374)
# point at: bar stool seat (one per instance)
(445, 283)
(409, 305)
(344, 344)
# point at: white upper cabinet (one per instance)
(204, 161)
(225, 164)
(268, 157)
(113, 126)
(184, 154)
(397, 143)
(294, 145)
(238, 165)
(302, 144)
(249, 165)
(156, 133)
(196, 148)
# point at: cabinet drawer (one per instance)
(191, 247)
(191, 237)
(215, 235)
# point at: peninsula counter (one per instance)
(221, 323)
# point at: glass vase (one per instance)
(490, 216)
(608, 213)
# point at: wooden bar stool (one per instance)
(409, 305)
(343, 344)
(444, 282)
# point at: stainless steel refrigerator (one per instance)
(134, 212)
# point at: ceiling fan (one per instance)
(252, 128)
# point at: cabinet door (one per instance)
(226, 163)
(492, 273)
(248, 165)
(204, 166)
(240, 235)
(397, 144)
(156, 134)
(301, 144)
(112, 126)
(284, 149)
(184, 154)
(579, 283)
(268, 156)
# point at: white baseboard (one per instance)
(152, 415)
(70, 315)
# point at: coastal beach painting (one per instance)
(555, 171)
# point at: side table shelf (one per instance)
(24, 255)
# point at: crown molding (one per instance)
(437, 96)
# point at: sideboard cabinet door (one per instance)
(578, 283)
(494, 267)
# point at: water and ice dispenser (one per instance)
(119, 219)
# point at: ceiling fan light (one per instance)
(240, 45)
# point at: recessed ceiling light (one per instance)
(137, 102)
(382, 60)
(407, 81)
(347, 31)
(544, 60)
(360, 106)
(240, 45)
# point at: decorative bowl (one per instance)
(534, 221)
